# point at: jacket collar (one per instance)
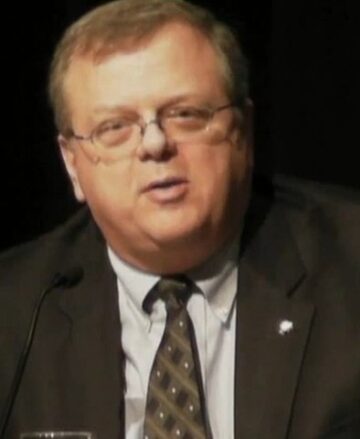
(272, 329)
(91, 308)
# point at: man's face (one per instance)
(160, 197)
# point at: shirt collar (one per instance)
(136, 283)
(216, 279)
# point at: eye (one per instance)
(114, 132)
(186, 119)
(188, 113)
(113, 125)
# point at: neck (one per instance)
(180, 257)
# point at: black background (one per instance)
(305, 85)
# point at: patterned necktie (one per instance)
(175, 402)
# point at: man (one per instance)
(154, 119)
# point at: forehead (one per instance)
(176, 60)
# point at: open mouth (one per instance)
(165, 184)
(167, 190)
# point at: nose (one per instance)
(154, 144)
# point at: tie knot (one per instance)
(174, 291)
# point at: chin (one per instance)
(174, 233)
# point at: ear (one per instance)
(69, 156)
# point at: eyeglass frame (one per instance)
(143, 125)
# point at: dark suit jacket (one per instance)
(300, 261)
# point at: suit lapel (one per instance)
(94, 347)
(272, 329)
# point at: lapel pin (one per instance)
(285, 327)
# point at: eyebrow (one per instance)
(112, 109)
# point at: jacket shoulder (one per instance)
(25, 270)
(311, 194)
(326, 212)
(48, 244)
(324, 221)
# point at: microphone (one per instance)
(66, 279)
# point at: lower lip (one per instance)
(168, 194)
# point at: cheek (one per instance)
(108, 189)
(218, 170)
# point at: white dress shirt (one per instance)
(213, 313)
